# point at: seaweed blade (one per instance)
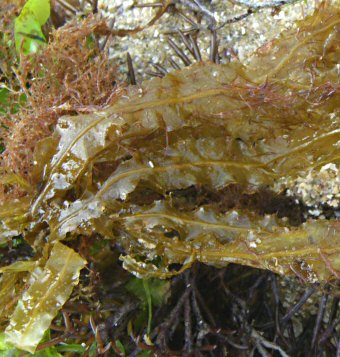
(41, 302)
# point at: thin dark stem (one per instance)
(179, 52)
(95, 6)
(298, 306)
(186, 18)
(213, 46)
(319, 319)
(334, 310)
(160, 69)
(186, 42)
(269, 4)
(309, 292)
(276, 295)
(187, 320)
(235, 19)
(110, 26)
(172, 321)
(205, 307)
(154, 74)
(150, 4)
(174, 64)
(131, 72)
(197, 53)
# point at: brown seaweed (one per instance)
(39, 304)
(211, 126)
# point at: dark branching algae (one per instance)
(179, 170)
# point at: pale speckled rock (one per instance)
(243, 37)
(318, 188)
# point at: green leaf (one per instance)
(49, 351)
(4, 100)
(39, 8)
(151, 292)
(27, 28)
(121, 347)
(75, 348)
(44, 298)
(7, 106)
(9, 350)
(149, 302)
(4, 346)
(93, 350)
(157, 290)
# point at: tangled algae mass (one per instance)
(183, 169)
